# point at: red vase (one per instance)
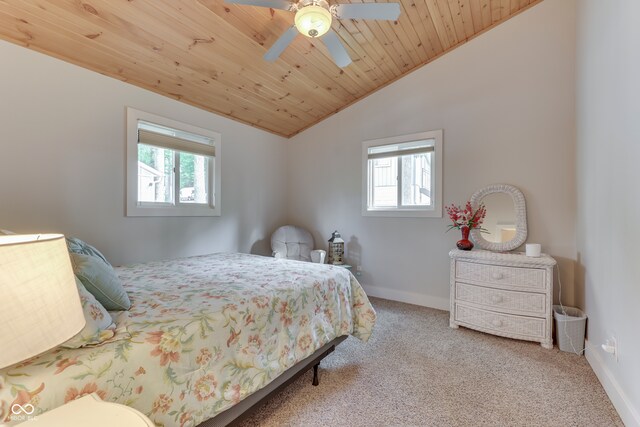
(465, 244)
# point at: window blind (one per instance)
(174, 142)
(395, 150)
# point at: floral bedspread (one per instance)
(202, 334)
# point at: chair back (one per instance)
(292, 242)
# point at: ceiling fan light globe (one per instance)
(313, 21)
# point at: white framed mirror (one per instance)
(506, 219)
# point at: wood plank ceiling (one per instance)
(209, 54)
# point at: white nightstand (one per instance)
(90, 411)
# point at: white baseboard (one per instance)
(408, 297)
(620, 401)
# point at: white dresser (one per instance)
(506, 294)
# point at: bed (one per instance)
(203, 335)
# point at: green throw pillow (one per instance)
(77, 246)
(101, 280)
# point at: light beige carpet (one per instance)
(415, 370)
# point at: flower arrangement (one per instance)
(466, 217)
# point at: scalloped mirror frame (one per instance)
(521, 218)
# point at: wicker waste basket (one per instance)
(570, 327)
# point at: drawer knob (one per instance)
(496, 322)
(496, 298)
(496, 275)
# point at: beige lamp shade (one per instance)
(39, 302)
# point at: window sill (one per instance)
(136, 210)
(404, 213)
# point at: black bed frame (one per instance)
(234, 415)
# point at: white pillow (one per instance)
(99, 326)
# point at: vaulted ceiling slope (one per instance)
(209, 54)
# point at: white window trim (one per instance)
(434, 211)
(156, 209)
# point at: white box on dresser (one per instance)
(506, 294)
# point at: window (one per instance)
(173, 169)
(402, 176)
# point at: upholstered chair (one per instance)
(296, 243)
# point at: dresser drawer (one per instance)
(529, 303)
(532, 278)
(501, 324)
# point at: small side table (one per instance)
(347, 266)
(91, 411)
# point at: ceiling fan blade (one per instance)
(281, 44)
(273, 4)
(336, 49)
(385, 11)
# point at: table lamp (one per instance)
(39, 302)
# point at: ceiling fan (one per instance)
(313, 19)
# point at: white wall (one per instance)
(62, 165)
(506, 103)
(608, 149)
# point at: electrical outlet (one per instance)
(358, 270)
(611, 347)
